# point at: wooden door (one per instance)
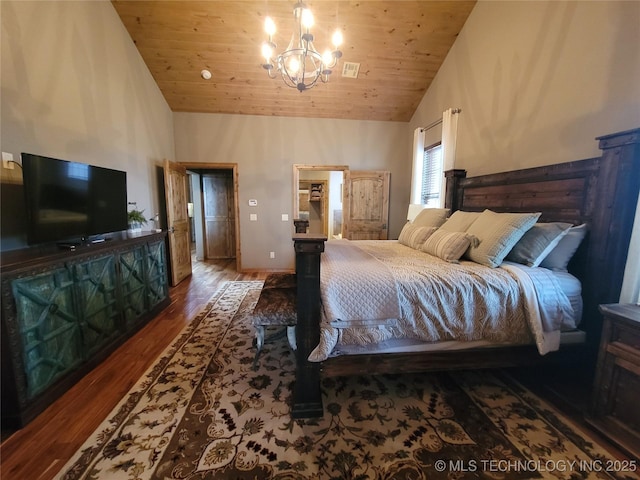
(219, 218)
(176, 193)
(366, 205)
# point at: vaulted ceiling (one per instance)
(400, 45)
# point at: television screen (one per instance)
(70, 200)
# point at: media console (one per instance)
(64, 311)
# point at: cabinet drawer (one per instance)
(625, 335)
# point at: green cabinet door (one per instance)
(49, 328)
(157, 281)
(98, 306)
(134, 290)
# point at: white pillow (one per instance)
(431, 217)
(537, 243)
(414, 236)
(497, 233)
(448, 246)
(460, 221)
(560, 256)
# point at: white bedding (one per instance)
(438, 301)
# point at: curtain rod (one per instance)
(439, 121)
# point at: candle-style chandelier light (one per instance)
(300, 65)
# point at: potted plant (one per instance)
(136, 219)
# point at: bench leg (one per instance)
(291, 336)
(259, 344)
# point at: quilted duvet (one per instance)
(374, 291)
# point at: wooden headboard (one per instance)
(602, 192)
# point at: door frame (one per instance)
(297, 167)
(236, 206)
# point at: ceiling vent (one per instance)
(350, 70)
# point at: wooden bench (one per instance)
(276, 307)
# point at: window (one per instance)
(432, 176)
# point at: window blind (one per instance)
(432, 176)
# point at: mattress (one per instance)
(572, 288)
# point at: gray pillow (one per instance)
(537, 243)
(560, 256)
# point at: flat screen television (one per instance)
(71, 201)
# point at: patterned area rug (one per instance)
(202, 412)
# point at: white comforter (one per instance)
(374, 291)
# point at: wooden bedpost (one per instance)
(452, 199)
(307, 397)
(612, 223)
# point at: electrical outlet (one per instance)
(7, 161)
(272, 254)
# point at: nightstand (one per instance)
(615, 402)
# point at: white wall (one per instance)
(266, 148)
(538, 81)
(75, 87)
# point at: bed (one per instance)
(599, 194)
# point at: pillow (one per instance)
(414, 236)
(431, 217)
(459, 221)
(560, 256)
(497, 233)
(537, 243)
(448, 246)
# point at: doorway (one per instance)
(318, 191)
(213, 211)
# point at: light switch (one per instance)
(7, 160)
(285, 217)
(253, 217)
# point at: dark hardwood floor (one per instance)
(39, 450)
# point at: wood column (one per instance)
(453, 195)
(618, 185)
(307, 397)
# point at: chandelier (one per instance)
(300, 65)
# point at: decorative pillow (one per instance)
(560, 256)
(460, 221)
(497, 233)
(537, 243)
(414, 236)
(448, 246)
(431, 217)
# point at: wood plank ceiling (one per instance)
(400, 45)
